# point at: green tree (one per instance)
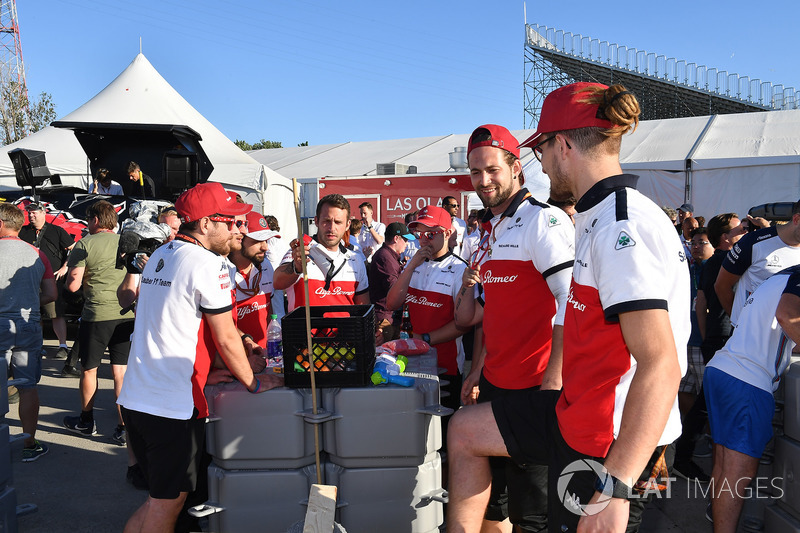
(303, 144)
(19, 116)
(260, 145)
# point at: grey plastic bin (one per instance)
(386, 425)
(389, 500)
(259, 431)
(267, 501)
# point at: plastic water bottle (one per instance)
(406, 329)
(274, 347)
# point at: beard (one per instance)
(560, 187)
(501, 195)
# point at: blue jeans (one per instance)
(21, 345)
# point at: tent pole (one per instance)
(687, 191)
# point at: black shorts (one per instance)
(529, 427)
(167, 450)
(95, 337)
(518, 492)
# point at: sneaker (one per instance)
(74, 423)
(61, 353)
(709, 516)
(691, 471)
(70, 372)
(119, 435)
(135, 477)
(32, 454)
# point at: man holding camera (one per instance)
(753, 259)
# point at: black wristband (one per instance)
(426, 337)
(613, 487)
(247, 336)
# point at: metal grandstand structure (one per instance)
(666, 87)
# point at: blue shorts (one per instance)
(740, 414)
(21, 345)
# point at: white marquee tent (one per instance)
(718, 163)
(140, 95)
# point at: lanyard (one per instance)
(251, 290)
(485, 244)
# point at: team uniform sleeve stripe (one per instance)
(216, 311)
(362, 292)
(612, 313)
(793, 285)
(557, 268)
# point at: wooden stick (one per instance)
(312, 367)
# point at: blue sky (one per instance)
(328, 72)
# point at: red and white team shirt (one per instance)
(172, 348)
(253, 301)
(431, 304)
(627, 258)
(349, 278)
(528, 242)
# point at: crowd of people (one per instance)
(604, 331)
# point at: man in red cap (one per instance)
(253, 279)
(625, 332)
(523, 266)
(183, 317)
(429, 284)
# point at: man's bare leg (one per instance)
(730, 477)
(156, 515)
(472, 438)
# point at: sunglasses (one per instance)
(451, 205)
(537, 149)
(226, 220)
(428, 234)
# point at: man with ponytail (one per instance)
(604, 436)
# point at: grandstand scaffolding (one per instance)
(666, 87)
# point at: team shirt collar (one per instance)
(603, 188)
(510, 210)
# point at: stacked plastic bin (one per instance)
(8, 496)
(784, 517)
(380, 448)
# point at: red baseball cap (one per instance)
(206, 199)
(257, 227)
(493, 135)
(432, 216)
(564, 110)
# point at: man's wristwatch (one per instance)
(426, 337)
(611, 486)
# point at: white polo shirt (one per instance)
(759, 351)
(755, 257)
(172, 348)
(528, 242)
(349, 278)
(627, 258)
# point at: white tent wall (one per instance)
(63, 153)
(664, 187)
(738, 189)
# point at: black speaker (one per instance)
(30, 167)
(181, 170)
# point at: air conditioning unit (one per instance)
(392, 169)
(458, 158)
